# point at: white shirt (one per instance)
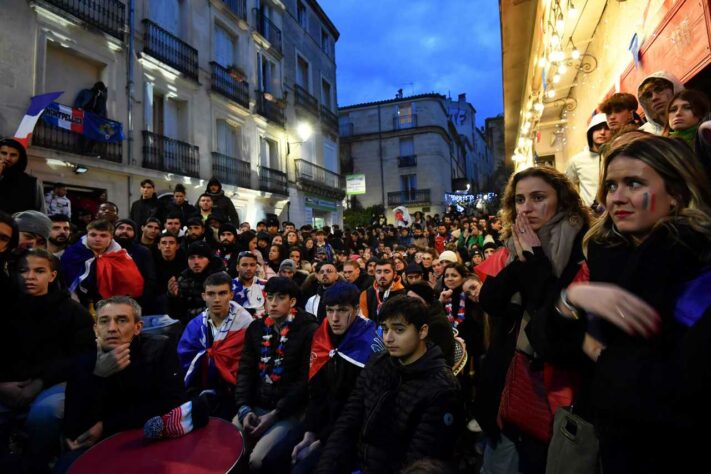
(584, 170)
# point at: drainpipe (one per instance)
(129, 81)
(380, 154)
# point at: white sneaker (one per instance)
(473, 426)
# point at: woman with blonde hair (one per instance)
(640, 318)
(544, 221)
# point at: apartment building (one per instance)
(201, 89)
(408, 148)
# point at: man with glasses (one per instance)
(247, 288)
(272, 383)
(327, 275)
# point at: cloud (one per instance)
(445, 46)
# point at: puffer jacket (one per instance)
(290, 394)
(400, 413)
(189, 302)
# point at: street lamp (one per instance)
(304, 130)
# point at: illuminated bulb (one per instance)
(521, 142)
(562, 69)
(543, 61)
(550, 93)
(556, 79)
(538, 107)
(529, 114)
(557, 55)
(572, 11)
(575, 54)
(555, 40)
(560, 23)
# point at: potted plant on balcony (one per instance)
(236, 73)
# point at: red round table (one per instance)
(214, 448)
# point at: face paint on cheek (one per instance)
(645, 201)
(652, 202)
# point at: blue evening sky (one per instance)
(421, 46)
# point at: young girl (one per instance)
(685, 112)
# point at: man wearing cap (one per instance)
(287, 268)
(18, 190)
(327, 276)
(584, 168)
(34, 229)
(221, 204)
(414, 273)
(186, 293)
(195, 232)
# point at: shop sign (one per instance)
(320, 204)
(355, 184)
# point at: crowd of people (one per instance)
(582, 305)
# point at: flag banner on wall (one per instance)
(89, 124)
(38, 104)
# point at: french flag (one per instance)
(37, 105)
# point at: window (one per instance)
(301, 15)
(70, 72)
(268, 76)
(330, 155)
(224, 47)
(408, 186)
(405, 116)
(325, 42)
(269, 151)
(326, 94)
(166, 13)
(407, 146)
(228, 139)
(302, 72)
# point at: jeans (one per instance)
(270, 438)
(500, 458)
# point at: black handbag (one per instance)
(574, 447)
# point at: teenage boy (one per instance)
(147, 206)
(96, 266)
(387, 284)
(321, 244)
(584, 168)
(619, 109)
(58, 202)
(353, 274)
(272, 379)
(406, 404)
(654, 93)
(150, 232)
(170, 262)
(211, 345)
(341, 347)
(247, 288)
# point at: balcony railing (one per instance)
(404, 121)
(107, 15)
(233, 88)
(166, 154)
(329, 119)
(170, 49)
(273, 181)
(231, 170)
(303, 99)
(270, 109)
(238, 7)
(406, 161)
(47, 136)
(267, 29)
(307, 171)
(412, 196)
(345, 129)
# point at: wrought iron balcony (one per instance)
(345, 129)
(412, 196)
(329, 119)
(231, 170)
(303, 99)
(107, 15)
(166, 154)
(170, 49)
(225, 83)
(238, 7)
(406, 161)
(56, 138)
(271, 109)
(272, 181)
(267, 29)
(404, 121)
(318, 180)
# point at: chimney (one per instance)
(463, 97)
(399, 94)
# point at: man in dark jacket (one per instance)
(186, 294)
(170, 262)
(43, 336)
(129, 379)
(18, 190)
(147, 206)
(179, 206)
(406, 404)
(222, 203)
(272, 384)
(353, 274)
(125, 234)
(340, 349)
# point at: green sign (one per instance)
(355, 184)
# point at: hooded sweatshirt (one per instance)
(652, 126)
(222, 203)
(18, 190)
(584, 168)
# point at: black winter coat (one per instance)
(150, 386)
(290, 394)
(399, 413)
(43, 336)
(142, 209)
(189, 302)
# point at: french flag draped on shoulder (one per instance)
(359, 343)
(37, 105)
(223, 355)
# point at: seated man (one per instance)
(406, 404)
(186, 293)
(211, 345)
(247, 288)
(331, 379)
(43, 336)
(92, 278)
(129, 379)
(272, 380)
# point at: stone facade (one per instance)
(200, 74)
